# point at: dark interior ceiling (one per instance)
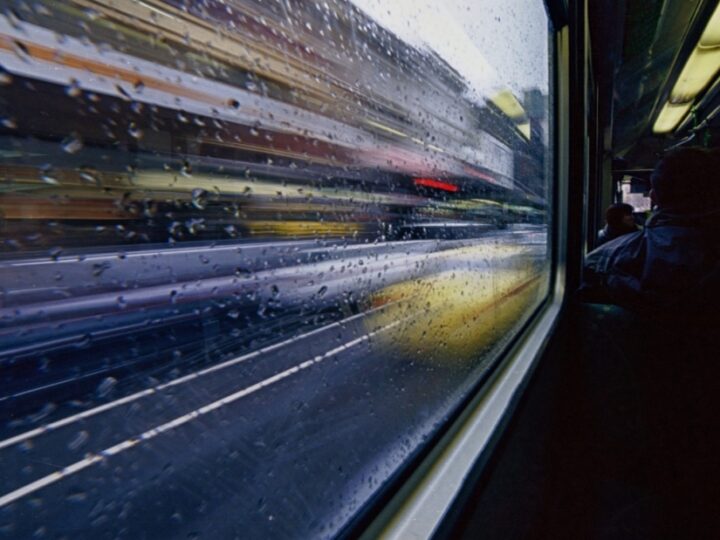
(638, 48)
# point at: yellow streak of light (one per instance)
(464, 313)
(385, 128)
(302, 228)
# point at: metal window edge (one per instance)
(418, 509)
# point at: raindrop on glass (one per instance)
(72, 144)
(76, 495)
(106, 386)
(47, 175)
(199, 198)
(89, 176)
(73, 88)
(5, 78)
(79, 440)
(134, 131)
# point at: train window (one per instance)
(256, 252)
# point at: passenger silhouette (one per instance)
(618, 221)
(671, 266)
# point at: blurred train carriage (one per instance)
(145, 145)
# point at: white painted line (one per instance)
(22, 437)
(49, 479)
(78, 466)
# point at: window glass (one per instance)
(255, 252)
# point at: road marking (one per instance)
(31, 434)
(49, 479)
(90, 460)
(22, 437)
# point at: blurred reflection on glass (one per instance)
(255, 252)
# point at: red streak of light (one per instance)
(429, 182)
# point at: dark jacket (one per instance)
(608, 233)
(671, 266)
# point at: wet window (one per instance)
(254, 253)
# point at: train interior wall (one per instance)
(616, 437)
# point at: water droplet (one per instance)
(199, 198)
(194, 225)
(234, 314)
(123, 93)
(5, 78)
(45, 411)
(79, 440)
(175, 228)
(76, 495)
(26, 446)
(47, 175)
(92, 14)
(72, 144)
(322, 290)
(21, 50)
(135, 131)
(90, 176)
(121, 302)
(106, 386)
(99, 268)
(73, 88)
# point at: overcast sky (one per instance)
(494, 44)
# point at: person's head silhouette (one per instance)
(687, 180)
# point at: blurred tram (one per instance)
(239, 135)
